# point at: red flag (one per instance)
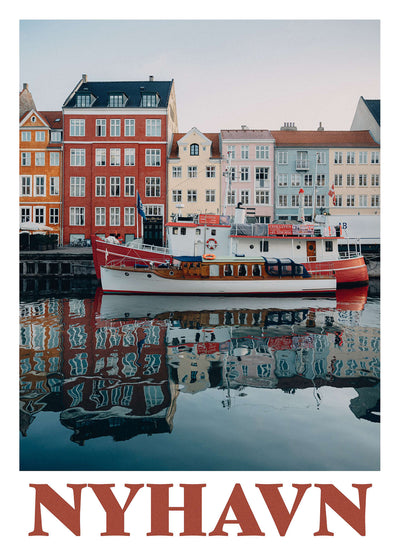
(331, 193)
(301, 191)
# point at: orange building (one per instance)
(41, 170)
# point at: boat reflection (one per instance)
(119, 373)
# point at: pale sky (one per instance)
(227, 73)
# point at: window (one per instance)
(262, 176)
(115, 156)
(153, 186)
(282, 158)
(282, 179)
(262, 152)
(77, 127)
(244, 152)
(54, 216)
(350, 157)
(295, 180)
(375, 180)
(55, 136)
(115, 186)
(83, 100)
(362, 157)
(282, 200)
(77, 186)
(116, 100)
(25, 215)
(245, 197)
(176, 171)
(233, 173)
(40, 136)
(320, 158)
(177, 196)
(129, 156)
(54, 186)
(308, 200)
(115, 127)
(210, 195)
(25, 158)
(328, 246)
(242, 271)
(115, 216)
(375, 200)
(192, 171)
(264, 246)
(40, 185)
(129, 127)
(308, 180)
(320, 200)
(155, 210)
(262, 196)
(39, 159)
(153, 158)
(350, 200)
(100, 157)
(374, 157)
(100, 127)
(129, 186)
(153, 127)
(100, 186)
(321, 180)
(362, 180)
(77, 157)
(338, 180)
(338, 159)
(100, 216)
(228, 270)
(338, 200)
(350, 180)
(295, 200)
(39, 215)
(76, 216)
(129, 216)
(362, 200)
(25, 136)
(26, 184)
(149, 100)
(54, 158)
(210, 171)
(244, 174)
(192, 195)
(194, 149)
(231, 198)
(232, 151)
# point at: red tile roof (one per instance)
(246, 134)
(328, 138)
(213, 136)
(54, 118)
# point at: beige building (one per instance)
(354, 172)
(194, 174)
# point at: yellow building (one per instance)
(194, 174)
(354, 172)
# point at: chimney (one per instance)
(24, 86)
(320, 126)
(84, 78)
(151, 78)
(244, 127)
(289, 126)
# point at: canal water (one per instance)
(112, 382)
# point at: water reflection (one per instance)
(116, 365)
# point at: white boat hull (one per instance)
(118, 280)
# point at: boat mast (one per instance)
(228, 180)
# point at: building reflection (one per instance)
(122, 377)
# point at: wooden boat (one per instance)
(208, 275)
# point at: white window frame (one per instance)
(77, 127)
(129, 186)
(129, 216)
(115, 216)
(55, 159)
(101, 127)
(176, 171)
(262, 152)
(78, 157)
(77, 186)
(153, 127)
(40, 159)
(100, 186)
(115, 127)
(153, 157)
(115, 186)
(25, 185)
(101, 157)
(129, 127)
(54, 186)
(100, 216)
(191, 195)
(54, 216)
(192, 171)
(244, 152)
(210, 171)
(153, 187)
(40, 136)
(39, 189)
(115, 157)
(26, 159)
(77, 216)
(129, 156)
(283, 158)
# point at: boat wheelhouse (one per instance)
(209, 275)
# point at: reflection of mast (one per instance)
(227, 402)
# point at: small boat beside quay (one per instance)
(209, 275)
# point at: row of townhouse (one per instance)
(115, 149)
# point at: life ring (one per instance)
(209, 257)
(211, 243)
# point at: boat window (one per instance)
(213, 232)
(256, 270)
(264, 246)
(328, 246)
(174, 231)
(286, 270)
(242, 270)
(228, 270)
(272, 269)
(214, 270)
(183, 231)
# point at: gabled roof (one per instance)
(374, 107)
(324, 138)
(132, 90)
(54, 118)
(213, 136)
(246, 134)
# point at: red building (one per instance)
(116, 140)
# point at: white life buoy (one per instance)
(211, 243)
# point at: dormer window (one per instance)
(116, 100)
(150, 100)
(83, 100)
(194, 149)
